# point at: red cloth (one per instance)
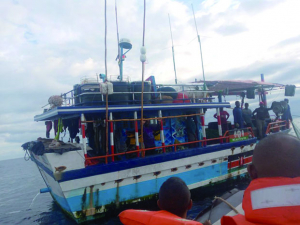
(181, 96)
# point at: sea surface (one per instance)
(20, 202)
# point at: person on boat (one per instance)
(273, 194)
(148, 136)
(191, 130)
(174, 202)
(247, 115)
(262, 114)
(287, 114)
(238, 116)
(224, 117)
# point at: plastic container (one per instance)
(120, 99)
(137, 87)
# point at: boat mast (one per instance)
(105, 44)
(143, 60)
(199, 40)
(173, 50)
(120, 62)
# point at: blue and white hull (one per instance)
(86, 193)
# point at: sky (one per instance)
(48, 46)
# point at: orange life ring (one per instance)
(144, 217)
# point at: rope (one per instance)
(227, 203)
(156, 118)
(143, 72)
(297, 132)
(26, 156)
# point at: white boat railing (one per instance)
(189, 96)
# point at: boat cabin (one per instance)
(128, 124)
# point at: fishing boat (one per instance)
(126, 138)
(96, 171)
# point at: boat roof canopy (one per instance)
(239, 85)
(75, 111)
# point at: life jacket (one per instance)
(269, 201)
(144, 217)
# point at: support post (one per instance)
(137, 145)
(162, 137)
(219, 125)
(112, 147)
(202, 117)
(121, 64)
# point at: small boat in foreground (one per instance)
(229, 204)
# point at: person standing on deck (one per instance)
(247, 114)
(238, 116)
(224, 117)
(148, 136)
(262, 113)
(191, 129)
(287, 114)
(273, 194)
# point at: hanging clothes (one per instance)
(48, 128)
(55, 127)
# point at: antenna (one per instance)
(173, 50)
(204, 84)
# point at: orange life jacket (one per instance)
(144, 217)
(269, 201)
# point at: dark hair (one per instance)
(246, 103)
(174, 196)
(282, 153)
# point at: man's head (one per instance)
(237, 104)
(146, 123)
(246, 105)
(277, 155)
(261, 104)
(175, 197)
(286, 100)
(221, 109)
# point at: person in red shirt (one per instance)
(224, 117)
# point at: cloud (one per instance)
(231, 29)
(275, 72)
(49, 46)
(289, 41)
(257, 6)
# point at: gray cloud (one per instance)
(289, 41)
(257, 6)
(274, 71)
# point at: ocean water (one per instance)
(20, 202)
